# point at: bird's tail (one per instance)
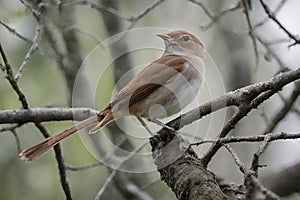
(42, 147)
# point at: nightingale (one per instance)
(161, 89)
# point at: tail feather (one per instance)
(107, 117)
(37, 150)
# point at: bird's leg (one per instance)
(161, 124)
(145, 125)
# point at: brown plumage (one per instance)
(171, 81)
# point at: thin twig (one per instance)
(271, 52)
(251, 181)
(218, 16)
(12, 81)
(143, 13)
(9, 128)
(150, 184)
(100, 163)
(251, 33)
(84, 167)
(14, 32)
(255, 161)
(17, 140)
(89, 34)
(254, 138)
(31, 51)
(277, 9)
(288, 104)
(104, 186)
(272, 17)
(98, 7)
(136, 18)
(113, 172)
(205, 10)
(236, 159)
(35, 13)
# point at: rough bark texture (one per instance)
(180, 168)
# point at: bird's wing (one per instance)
(148, 80)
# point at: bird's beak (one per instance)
(164, 36)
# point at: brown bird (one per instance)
(161, 89)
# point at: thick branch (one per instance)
(22, 116)
(236, 98)
(182, 170)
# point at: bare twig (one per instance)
(237, 161)
(216, 17)
(288, 104)
(255, 138)
(137, 192)
(84, 167)
(150, 184)
(12, 81)
(83, 32)
(113, 172)
(277, 9)
(35, 13)
(9, 128)
(136, 18)
(272, 17)
(31, 51)
(271, 52)
(143, 13)
(104, 186)
(251, 33)
(205, 10)
(98, 7)
(100, 163)
(255, 161)
(251, 182)
(17, 140)
(14, 32)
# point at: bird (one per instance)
(161, 89)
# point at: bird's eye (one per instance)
(185, 38)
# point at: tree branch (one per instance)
(58, 153)
(285, 109)
(272, 17)
(22, 116)
(180, 168)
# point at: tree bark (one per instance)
(180, 168)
